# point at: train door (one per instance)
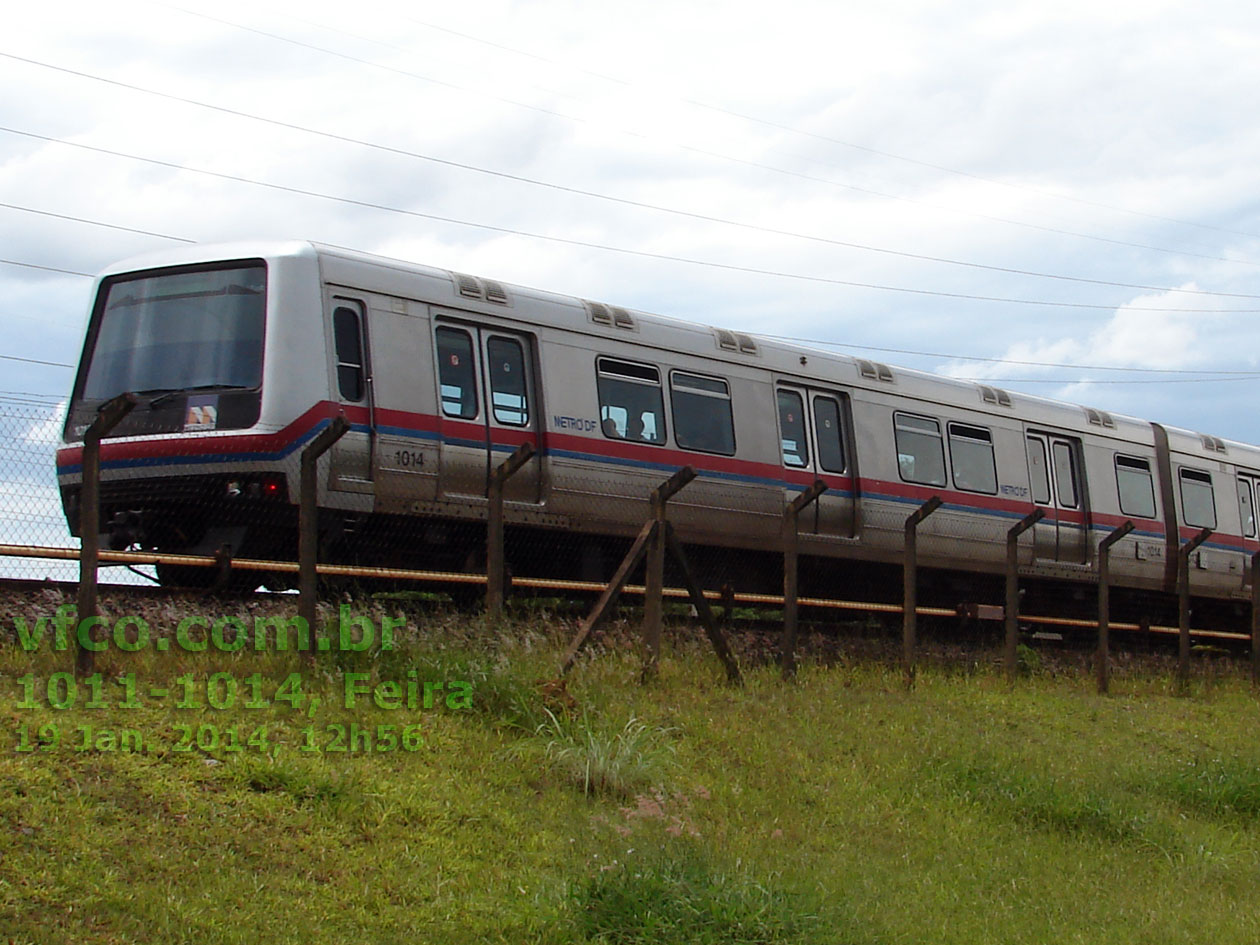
(1055, 474)
(487, 406)
(351, 457)
(814, 438)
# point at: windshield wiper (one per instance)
(166, 395)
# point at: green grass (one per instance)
(623, 762)
(840, 809)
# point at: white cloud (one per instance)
(1056, 115)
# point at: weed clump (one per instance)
(607, 762)
(1217, 787)
(677, 895)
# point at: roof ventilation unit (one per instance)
(1213, 443)
(467, 286)
(610, 316)
(470, 287)
(1099, 418)
(994, 395)
(875, 370)
(736, 341)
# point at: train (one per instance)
(239, 354)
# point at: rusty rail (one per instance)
(45, 552)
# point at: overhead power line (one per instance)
(109, 226)
(10, 357)
(26, 265)
(1199, 378)
(642, 254)
(621, 201)
(991, 360)
(1061, 382)
(691, 149)
(1216, 375)
(779, 126)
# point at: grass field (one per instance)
(841, 809)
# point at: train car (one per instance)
(239, 354)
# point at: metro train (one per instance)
(239, 354)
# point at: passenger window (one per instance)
(509, 398)
(1064, 474)
(631, 405)
(348, 341)
(1246, 508)
(829, 434)
(1038, 475)
(1136, 485)
(1197, 505)
(920, 452)
(792, 429)
(702, 413)
(457, 373)
(971, 453)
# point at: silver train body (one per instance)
(241, 353)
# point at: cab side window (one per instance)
(348, 344)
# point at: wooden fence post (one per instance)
(701, 603)
(496, 572)
(1104, 604)
(654, 579)
(610, 594)
(791, 541)
(308, 525)
(910, 587)
(1183, 607)
(1011, 660)
(108, 416)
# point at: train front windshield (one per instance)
(178, 331)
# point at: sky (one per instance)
(1017, 192)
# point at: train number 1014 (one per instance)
(408, 459)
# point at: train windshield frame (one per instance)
(191, 328)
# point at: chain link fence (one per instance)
(30, 502)
(400, 517)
